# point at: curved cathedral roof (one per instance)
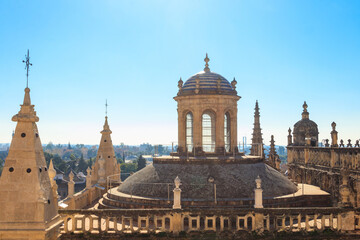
(234, 181)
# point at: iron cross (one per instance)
(27, 66)
(106, 106)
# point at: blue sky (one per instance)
(134, 52)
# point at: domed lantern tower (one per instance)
(207, 161)
(207, 114)
(305, 131)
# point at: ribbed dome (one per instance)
(207, 82)
(305, 128)
(306, 125)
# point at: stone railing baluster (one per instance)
(152, 221)
(299, 221)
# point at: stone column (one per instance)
(88, 178)
(258, 194)
(289, 137)
(334, 135)
(71, 184)
(177, 194)
(234, 138)
(219, 130)
(197, 129)
(181, 130)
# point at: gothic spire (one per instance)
(106, 155)
(257, 148)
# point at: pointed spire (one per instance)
(257, 148)
(52, 171)
(207, 69)
(305, 114)
(272, 145)
(105, 164)
(27, 101)
(233, 84)
(26, 112)
(273, 158)
(180, 84)
(106, 125)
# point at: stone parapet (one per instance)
(130, 221)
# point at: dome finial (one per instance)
(305, 106)
(305, 113)
(207, 69)
(106, 107)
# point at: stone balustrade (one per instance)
(129, 221)
(334, 157)
(82, 199)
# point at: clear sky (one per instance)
(134, 52)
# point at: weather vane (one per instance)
(27, 66)
(106, 106)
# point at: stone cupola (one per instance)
(305, 129)
(207, 114)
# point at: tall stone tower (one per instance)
(27, 203)
(257, 148)
(105, 164)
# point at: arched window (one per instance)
(227, 132)
(208, 132)
(189, 132)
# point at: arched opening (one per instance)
(227, 132)
(208, 132)
(189, 132)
